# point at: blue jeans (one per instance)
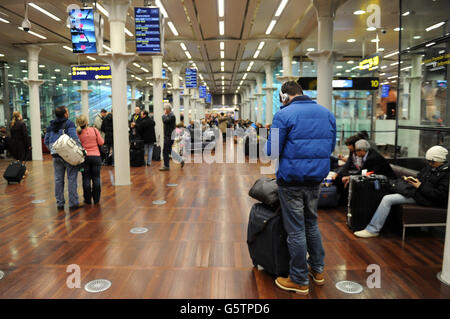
(92, 166)
(60, 166)
(383, 210)
(148, 148)
(299, 211)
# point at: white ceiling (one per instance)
(246, 22)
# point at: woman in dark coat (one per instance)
(107, 128)
(145, 128)
(19, 143)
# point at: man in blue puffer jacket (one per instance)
(302, 137)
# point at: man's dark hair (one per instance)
(221, 113)
(145, 112)
(363, 135)
(352, 140)
(60, 111)
(292, 88)
(103, 111)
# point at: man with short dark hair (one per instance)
(54, 131)
(145, 128)
(98, 121)
(306, 139)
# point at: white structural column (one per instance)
(325, 56)
(119, 59)
(287, 49)
(253, 101)
(133, 98)
(158, 81)
(248, 103)
(187, 106)
(269, 92)
(35, 110)
(194, 102)
(84, 92)
(259, 96)
(147, 98)
(176, 68)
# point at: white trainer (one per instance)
(365, 234)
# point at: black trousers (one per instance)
(91, 179)
(167, 149)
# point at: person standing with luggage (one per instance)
(306, 139)
(145, 129)
(169, 121)
(91, 140)
(54, 131)
(134, 118)
(19, 144)
(99, 120)
(430, 188)
(107, 128)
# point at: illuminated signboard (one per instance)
(82, 30)
(202, 92)
(370, 63)
(191, 78)
(341, 83)
(208, 98)
(164, 76)
(385, 90)
(148, 30)
(91, 72)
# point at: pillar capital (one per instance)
(118, 58)
(287, 47)
(117, 9)
(176, 68)
(33, 51)
(327, 8)
(329, 55)
(34, 82)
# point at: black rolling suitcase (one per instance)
(156, 156)
(266, 239)
(137, 153)
(364, 195)
(14, 172)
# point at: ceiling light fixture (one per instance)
(371, 29)
(407, 13)
(172, 28)
(136, 65)
(430, 44)
(34, 33)
(221, 8)
(101, 9)
(222, 45)
(221, 27)
(31, 4)
(391, 54)
(359, 12)
(188, 54)
(256, 54)
(91, 58)
(310, 49)
(144, 69)
(161, 7)
(351, 40)
(437, 25)
(183, 46)
(222, 54)
(261, 45)
(3, 20)
(128, 32)
(106, 47)
(67, 48)
(281, 8)
(271, 26)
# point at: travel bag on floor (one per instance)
(156, 156)
(14, 172)
(137, 157)
(328, 196)
(364, 195)
(266, 239)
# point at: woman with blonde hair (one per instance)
(91, 140)
(19, 143)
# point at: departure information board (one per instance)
(202, 92)
(91, 72)
(191, 78)
(208, 98)
(148, 30)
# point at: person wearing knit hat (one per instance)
(429, 188)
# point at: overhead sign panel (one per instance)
(91, 72)
(148, 30)
(191, 78)
(82, 30)
(202, 92)
(208, 98)
(342, 83)
(370, 63)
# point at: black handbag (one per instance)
(265, 190)
(402, 187)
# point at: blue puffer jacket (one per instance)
(307, 137)
(54, 131)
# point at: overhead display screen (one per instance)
(363, 83)
(342, 84)
(148, 30)
(202, 92)
(191, 78)
(82, 30)
(91, 72)
(208, 98)
(385, 90)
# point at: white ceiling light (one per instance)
(430, 44)
(222, 63)
(3, 20)
(371, 29)
(57, 70)
(256, 54)
(380, 49)
(350, 62)
(23, 61)
(391, 54)
(222, 45)
(381, 74)
(281, 8)
(359, 12)
(188, 54)
(172, 27)
(102, 10)
(392, 77)
(44, 11)
(91, 58)
(351, 40)
(407, 13)
(242, 81)
(170, 69)
(222, 69)
(397, 29)
(221, 5)
(128, 32)
(106, 47)
(339, 66)
(67, 48)
(250, 66)
(348, 71)
(222, 54)
(310, 49)
(271, 26)
(437, 25)
(245, 76)
(375, 40)
(261, 45)
(144, 69)
(165, 64)
(161, 7)
(417, 37)
(339, 74)
(24, 71)
(221, 27)
(138, 78)
(183, 46)
(34, 33)
(41, 66)
(393, 64)
(136, 65)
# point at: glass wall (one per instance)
(424, 111)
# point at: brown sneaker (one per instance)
(288, 284)
(317, 278)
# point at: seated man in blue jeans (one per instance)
(430, 189)
(60, 166)
(302, 136)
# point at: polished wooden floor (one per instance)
(196, 243)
